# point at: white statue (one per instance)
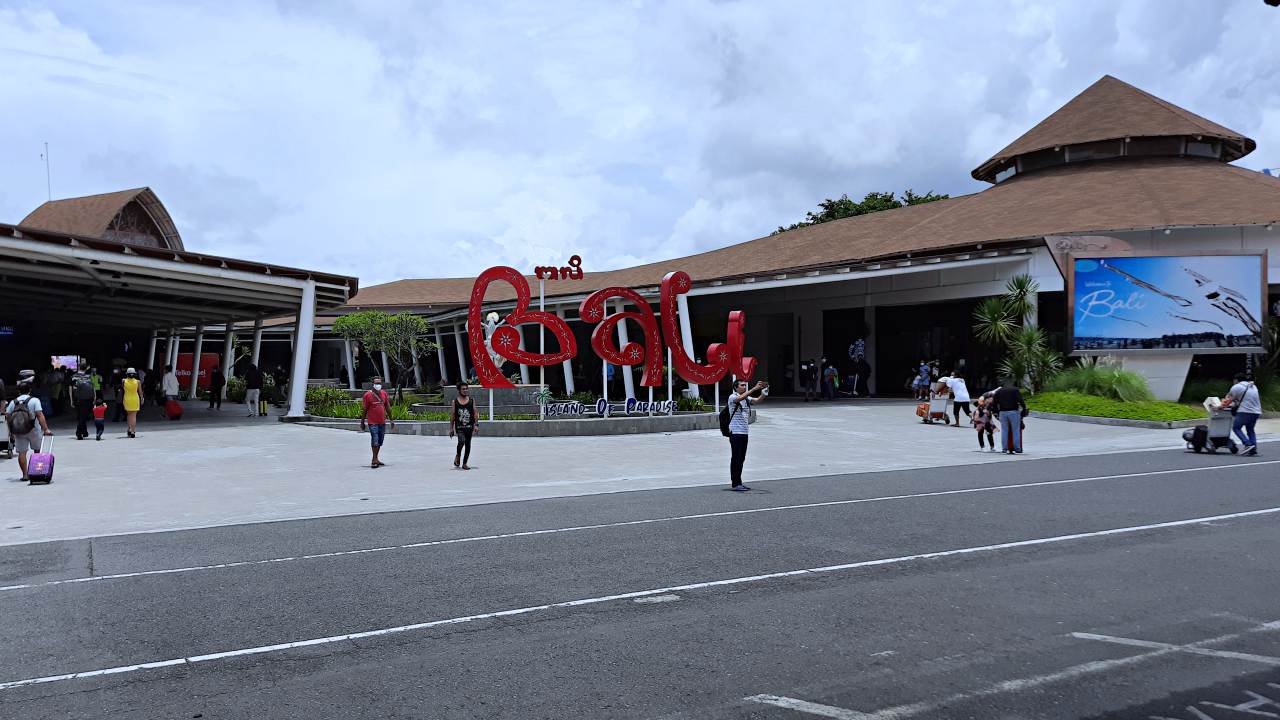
(490, 324)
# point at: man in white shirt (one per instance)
(25, 417)
(959, 395)
(1248, 408)
(169, 383)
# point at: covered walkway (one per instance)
(59, 287)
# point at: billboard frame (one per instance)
(1071, 303)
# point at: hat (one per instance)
(130, 371)
(26, 376)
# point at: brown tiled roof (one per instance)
(1110, 195)
(1113, 109)
(91, 215)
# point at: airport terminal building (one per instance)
(1115, 170)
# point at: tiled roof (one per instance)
(1096, 197)
(1112, 109)
(91, 215)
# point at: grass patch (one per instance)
(348, 410)
(1070, 403)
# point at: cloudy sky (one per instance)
(397, 138)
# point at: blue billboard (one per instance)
(1207, 303)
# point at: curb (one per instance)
(544, 428)
(1119, 422)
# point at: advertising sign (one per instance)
(1202, 303)
(208, 361)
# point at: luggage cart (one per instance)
(939, 404)
(1214, 436)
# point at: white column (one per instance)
(151, 350)
(686, 334)
(174, 349)
(1033, 317)
(195, 363)
(228, 355)
(417, 370)
(386, 369)
(444, 369)
(568, 366)
(460, 338)
(305, 331)
(257, 340)
(628, 379)
(351, 364)
(524, 369)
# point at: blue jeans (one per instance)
(1246, 421)
(377, 433)
(1011, 426)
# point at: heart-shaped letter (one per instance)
(506, 338)
(720, 356)
(592, 310)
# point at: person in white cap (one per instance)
(25, 417)
(131, 398)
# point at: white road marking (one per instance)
(646, 593)
(805, 706)
(624, 523)
(1249, 657)
(899, 712)
(658, 599)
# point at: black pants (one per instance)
(464, 443)
(959, 405)
(215, 398)
(84, 413)
(738, 446)
(989, 430)
(117, 413)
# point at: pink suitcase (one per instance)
(40, 467)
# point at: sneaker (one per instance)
(739, 488)
(1251, 450)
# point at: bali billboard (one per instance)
(1201, 303)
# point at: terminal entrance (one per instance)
(907, 334)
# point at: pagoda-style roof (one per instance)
(1111, 109)
(135, 216)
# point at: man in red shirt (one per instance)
(374, 415)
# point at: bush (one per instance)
(235, 389)
(1102, 381)
(685, 403)
(1195, 391)
(324, 395)
(1074, 403)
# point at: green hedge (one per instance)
(1195, 391)
(1071, 403)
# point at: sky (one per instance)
(397, 138)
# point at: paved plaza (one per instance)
(222, 468)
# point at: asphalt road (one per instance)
(1113, 586)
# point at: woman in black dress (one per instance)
(462, 422)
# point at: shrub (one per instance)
(324, 395)
(1091, 378)
(690, 404)
(235, 389)
(1074, 403)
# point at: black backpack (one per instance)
(21, 421)
(84, 389)
(725, 418)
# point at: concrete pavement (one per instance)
(1075, 587)
(208, 471)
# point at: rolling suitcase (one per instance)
(173, 410)
(40, 467)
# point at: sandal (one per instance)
(456, 461)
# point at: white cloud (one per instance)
(399, 140)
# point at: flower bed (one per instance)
(1071, 403)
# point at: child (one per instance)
(100, 417)
(984, 422)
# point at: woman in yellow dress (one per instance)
(132, 399)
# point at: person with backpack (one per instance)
(374, 415)
(25, 417)
(83, 395)
(735, 421)
(1246, 406)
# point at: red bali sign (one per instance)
(723, 358)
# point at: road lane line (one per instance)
(602, 526)
(810, 708)
(1133, 642)
(643, 593)
(900, 712)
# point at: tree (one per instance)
(844, 207)
(401, 336)
(1003, 320)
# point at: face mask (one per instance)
(377, 386)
